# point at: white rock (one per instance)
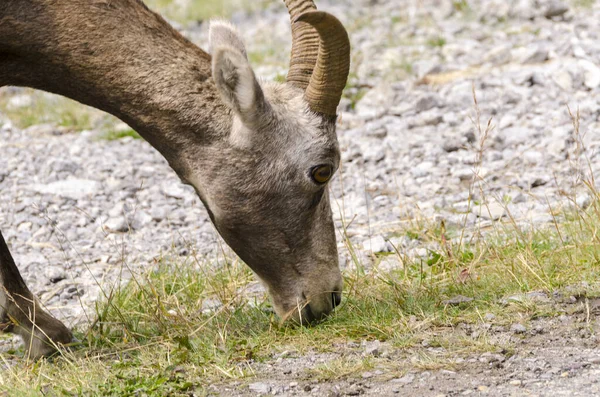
(259, 388)
(375, 244)
(563, 79)
(55, 273)
(591, 74)
(116, 224)
(174, 190)
(492, 211)
(70, 188)
(533, 157)
(20, 101)
(140, 219)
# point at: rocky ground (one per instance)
(81, 213)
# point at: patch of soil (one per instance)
(557, 356)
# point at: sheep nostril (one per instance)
(336, 298)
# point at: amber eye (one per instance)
(322, 173)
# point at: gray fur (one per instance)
(247, 148)
(223, 34)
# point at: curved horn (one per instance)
(305, 44)
(329, 76)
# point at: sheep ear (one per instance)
(223, 34)
(237, 84)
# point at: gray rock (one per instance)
(174, 190)
(538, 56)
(591, 74)
(158, 213)
(451, 145)
(498, 56)
(583, 200)
(518, 328)
(55, 274)
(563, 79)
(490, 358)
(375, 244)
(372, 348)
(259, 388)
(555, 8)
(457, 300)
(406, 379)
(116, 224)
(210, 305)
(489, 317)
(140, 220)
(426, 102)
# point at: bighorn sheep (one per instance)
(259, 155)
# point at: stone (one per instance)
(406, 379)
(563, 79)
(591, 74)
(451, 145)
(140, 220)
(372, 348)
(555, 8)
(116, 224)
(173, 190)
(375, 244)
(55, 274)
(259, 388)
(538, 56)
(20, 101)
(70, 188)
(457, 300)
(492, 211)
(583, 200)
(426, 102)
(489, 358)
(533, 157)
(518, 328)
(498, 56)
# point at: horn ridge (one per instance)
(305, 44)
(332, 67)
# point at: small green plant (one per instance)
(438, 41)
(461, 5)
(355, 95)
(44, 108)
(113, 135)
(584, 3)
(202, 10)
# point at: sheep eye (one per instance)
(322, 173)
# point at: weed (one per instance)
(113, 135)
(438, 41)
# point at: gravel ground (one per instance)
(80, 213)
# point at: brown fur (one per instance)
(247, 148)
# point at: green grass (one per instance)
(70, 116)
(45, 108)
(152, 336)
(201, 10)
(438, 41)
(114, 134)
(583, 3)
